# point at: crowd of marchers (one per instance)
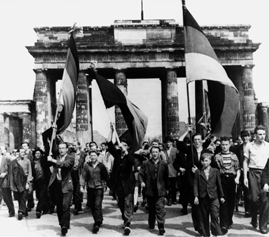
(213, 176)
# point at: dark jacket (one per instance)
(146, 175)
(191, 162)
(17, 177)
(180, 161)
(211, 187)
(265, 175)
(126, 175)
(66, 168)
(45, 168)
(103, 176)
(239, 151)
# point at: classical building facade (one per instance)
(17, 123)
(137, 49)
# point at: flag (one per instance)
(69, 86)
(202, 64)
(135, 119)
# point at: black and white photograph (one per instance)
(134, 118)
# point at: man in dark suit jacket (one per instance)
(193, 163)
(62, 186)
(207, 191)
(153, 176)
(122, 178)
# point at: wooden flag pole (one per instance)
(189, 120)
(188, 95)
(54, 125)
(114, 129)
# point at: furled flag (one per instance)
(135, 119)
(69, 86)
(202, 64)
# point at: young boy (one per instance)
(96, 177)
(229, 168)
(207, 191)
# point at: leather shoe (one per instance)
(135, 208)
(20, 216)
(161, 231)
(247, 214)
(127, 230)
(254, 225)
(64, 231)
(264, 232)
(184, 211)
(95, 229)
(151, 227)
(11, 215)
(224, 230)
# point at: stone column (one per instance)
(121, 83)
(248, 98)
(170, 108)
(234, 74)
(43, 105)
(2, 130)
(27, 129)
(83, 110)
(263, 116)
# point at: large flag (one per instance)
(69, 86)
(202, 64)
(135, 119)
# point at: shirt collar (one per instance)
(207, 168)
(155, 162)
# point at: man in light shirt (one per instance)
(256, 155)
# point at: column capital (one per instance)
(120, 69)
(40, 70)
(84, 71)
(249, 66)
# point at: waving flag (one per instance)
(202, 64)
(135, 119)
(69, 86)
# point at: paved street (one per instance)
(81, 225)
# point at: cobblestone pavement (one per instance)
(81, 225)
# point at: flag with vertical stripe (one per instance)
(202, 64)
(69, 86)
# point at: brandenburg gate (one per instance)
(131, 49)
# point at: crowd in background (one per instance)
(211, 176)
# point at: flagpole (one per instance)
(54, 125)
(117, 136)
(189, 120)
(188, 94)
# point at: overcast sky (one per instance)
(19, 17)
